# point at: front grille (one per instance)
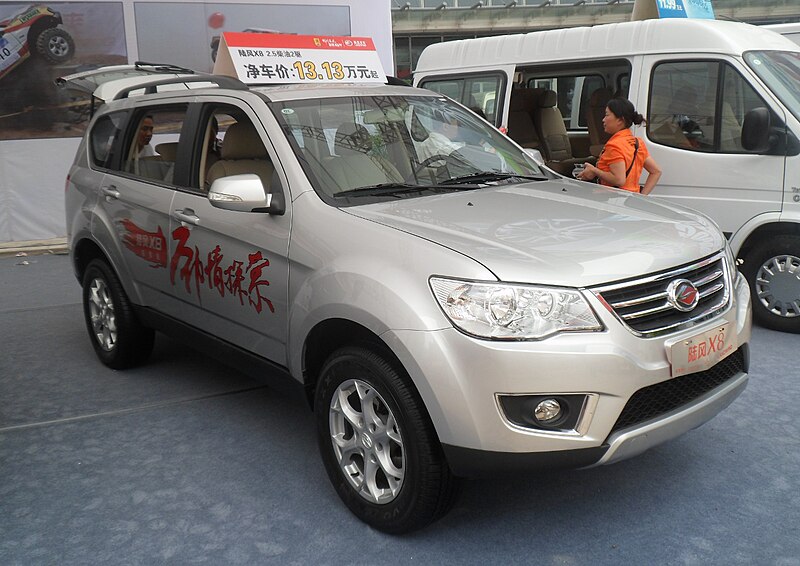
(658, 399)
(643, 305)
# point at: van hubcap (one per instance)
(367, 441)
(778, 285)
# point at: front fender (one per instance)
(741, 236)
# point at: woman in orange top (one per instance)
(624, 156)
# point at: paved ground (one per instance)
(184, 461)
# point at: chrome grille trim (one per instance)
(651, 314)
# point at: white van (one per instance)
(722, 101)
(791, 31)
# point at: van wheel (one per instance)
(772, 269)
(378, 444)
(119, 339)
(55, 45)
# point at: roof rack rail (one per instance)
(163, 67)
(152, 87)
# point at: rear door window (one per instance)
(152, 143)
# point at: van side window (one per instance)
(479, 93)
(152, 142)
(699, 106)
(572, 95)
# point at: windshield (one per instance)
(362, 149)
(780, 70)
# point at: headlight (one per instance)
(513, 312)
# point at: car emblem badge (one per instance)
(683, 295)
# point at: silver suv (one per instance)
(449, 307)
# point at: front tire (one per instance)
(118, 338)
(55, 45)
(772, 269)
(378, 444)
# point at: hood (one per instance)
(555, 232)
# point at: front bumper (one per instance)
(461, 379)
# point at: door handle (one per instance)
(187, 215)
(110, 191)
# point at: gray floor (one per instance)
(184, 461)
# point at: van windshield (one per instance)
(780, 70)
(364, 149)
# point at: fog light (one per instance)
(547, 411)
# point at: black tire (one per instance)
(55, 45)
(772, 269)
(119, 339)
(427, 489)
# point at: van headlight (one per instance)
(513, 312)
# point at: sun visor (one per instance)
(273, 58)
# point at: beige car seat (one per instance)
(595, 111)
(521, 127)
(553, 134)
(353, 165)
(242, 152)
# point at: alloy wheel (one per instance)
(367, 441)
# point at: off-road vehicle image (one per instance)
(36, 31)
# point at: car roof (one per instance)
(104, 83)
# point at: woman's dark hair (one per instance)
(624, 109)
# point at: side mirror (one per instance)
(756, 130)
(242, 193)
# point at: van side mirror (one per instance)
(756, 130)
(241, 193)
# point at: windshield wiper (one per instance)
(488, 176)
(391, 189)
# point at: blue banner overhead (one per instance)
(685, 9)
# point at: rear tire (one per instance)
(378, 444)
(772, 269)
(55, 45)
(118, 338)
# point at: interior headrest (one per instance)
(600, 97)
(522, 99)
(548, 99)
(242, 142)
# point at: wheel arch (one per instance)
(768, 230)
(43, 23)
(83, 253)
(329, 335)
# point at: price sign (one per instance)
(256, 58)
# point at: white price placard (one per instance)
(256, 58)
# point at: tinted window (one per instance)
(105, 137)
(152, 143)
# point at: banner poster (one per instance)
(41, 42)
(685, 9)
(281, 58)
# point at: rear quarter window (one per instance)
(104, 141)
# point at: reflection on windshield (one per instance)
(780, 70)
(389, 142)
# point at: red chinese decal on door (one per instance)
(243, 280)
(150, 246)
